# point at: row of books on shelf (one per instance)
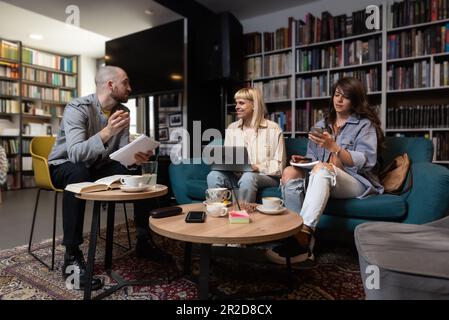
(316, 86)
(27, 163)
(440, 146)
(307, 116)
(280, 39)
(283, 119)
(50, 94)
(9, 106)
(273, 90)
(253, 68)
(48, 60)
(410, 12)
(26, 146)
(277, 64)
(358, 51)
(441, 74)
(9, 88)
(9, 50)
(319, 58)
(13, 164)
(416, 75)
(273, 65)
(418, 116)
(48, 77)
(416, 42)
(11, 146)
(369, 77)
(330, 27)
(36, 129)
(9, 70)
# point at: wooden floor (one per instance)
(16, 214)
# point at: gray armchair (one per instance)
(410, 261)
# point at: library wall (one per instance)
(275, 20)
(88, 68)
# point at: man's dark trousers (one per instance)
(73, 208)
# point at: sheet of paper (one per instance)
(126, 154)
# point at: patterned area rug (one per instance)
(235, 273)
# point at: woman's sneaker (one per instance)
(294, 250)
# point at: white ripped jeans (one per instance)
(322, 185)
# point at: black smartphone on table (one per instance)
(195, 216)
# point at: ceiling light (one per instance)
(149, 12)
(36, 36)
(176, 76)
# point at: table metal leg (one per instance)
(109, 236)
(204, 271)
(92, 248)
(187, 258)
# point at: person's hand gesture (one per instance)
(143, 156)
(323, 140)
(117, 122)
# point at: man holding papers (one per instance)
(92, 128)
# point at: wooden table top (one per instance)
(262, 227)
(119, 195)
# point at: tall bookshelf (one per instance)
(404, 66)
(43, 84)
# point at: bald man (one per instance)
(92, 128)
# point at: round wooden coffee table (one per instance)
(110, 196)
(262, 228)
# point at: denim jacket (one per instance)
(358, 137)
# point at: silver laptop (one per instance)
(223, 158)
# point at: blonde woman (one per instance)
(265, 144)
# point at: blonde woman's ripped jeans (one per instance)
(322, 184)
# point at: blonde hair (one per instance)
(254, 95)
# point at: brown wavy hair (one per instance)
(355, 91)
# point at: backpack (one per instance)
(395, 174)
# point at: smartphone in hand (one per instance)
(316, 131)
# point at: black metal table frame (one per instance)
(108, 253)
(205, 254)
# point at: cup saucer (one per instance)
(135, 189)
(270, 211)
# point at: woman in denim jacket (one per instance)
(347, 150)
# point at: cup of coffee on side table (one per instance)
(272, 203)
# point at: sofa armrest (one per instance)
(428, 199)
(180, 173)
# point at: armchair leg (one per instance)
(34, 219)
(30, 243)
(54, 233)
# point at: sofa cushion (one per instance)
(382, 207)
(379, 207)
(271, 192)
(196, 189)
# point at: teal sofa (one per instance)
(428, 199)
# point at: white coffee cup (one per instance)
(272, 203)
(133, 181)
(216, 209)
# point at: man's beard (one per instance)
(119, 98)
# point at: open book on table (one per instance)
(126, 154)
(103, 184)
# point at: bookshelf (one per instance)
(404, 66)
(38, 86)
